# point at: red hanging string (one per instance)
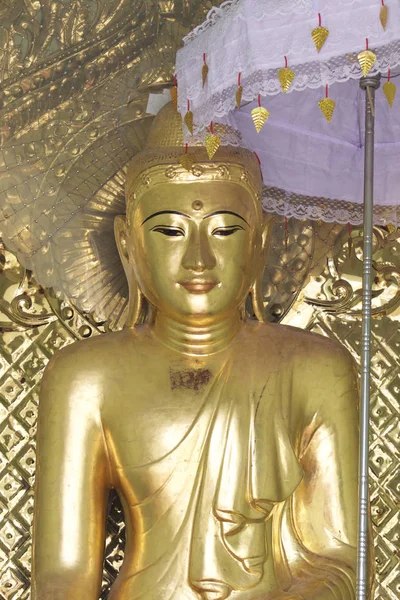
(239, 79)
(212, 128)
(349, 229)
(188, 105)
(366, 43)
(175, 81)
(383, 2)
(326, 91)
(204, 58)
(285, 62)
(258, 158)
(259, 99)
(186, 148)
(388, 74)
(319, 20)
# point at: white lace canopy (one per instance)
(311, 168)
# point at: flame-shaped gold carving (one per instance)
(319, 36)
(188, 119)
(204, 73)
(327, 106)
(212, 143)
(389, 89)
(239, 93)
(286, 77)
(383, 15)
(367, 59)
(259, 116)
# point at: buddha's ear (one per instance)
(135, 295)
(257, 287)
(121, 238)
(266, 234)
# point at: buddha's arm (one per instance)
(324, 508)
(72, 483)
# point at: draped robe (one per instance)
(207, 504)
(252, 495)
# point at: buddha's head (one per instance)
(193, 241)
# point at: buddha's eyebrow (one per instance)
(226, 212)
(166, 212)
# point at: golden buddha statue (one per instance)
(232, 443)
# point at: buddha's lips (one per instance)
(198, 286)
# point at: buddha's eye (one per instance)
(224, 231)
(169, 231)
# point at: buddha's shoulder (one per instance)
(302, 346)
(101, 351)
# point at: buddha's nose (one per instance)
(199, 256)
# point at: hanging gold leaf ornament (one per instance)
(204, 71)
(389, 89)
(327, 106)
(319, 34)
(188, 118)
(286, 77)
(367, 59)
(186, 160)
(383, 15)
(212, 143)
(259, 115)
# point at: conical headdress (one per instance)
(162, 161)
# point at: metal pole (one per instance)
(369, 84)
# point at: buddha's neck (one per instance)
(194, 339)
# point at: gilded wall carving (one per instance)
(35, 323)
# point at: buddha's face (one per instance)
(195, 248)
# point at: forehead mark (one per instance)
(197, 205)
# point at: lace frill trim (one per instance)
(260, 10)
(312, 75)
(288, 204)
(252, 37)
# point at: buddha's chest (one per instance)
(158, 419)
(149, 411)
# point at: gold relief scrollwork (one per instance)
(22, 304)
(197, 170)
(341, 287)
(171, 173)
(223, 171)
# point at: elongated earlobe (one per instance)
(256, 291)
(136, 303)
